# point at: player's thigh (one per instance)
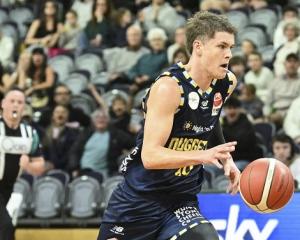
(203, 231)
(131, 231)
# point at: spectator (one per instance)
(98, 32)
(258, 75)
(257, 4)
(250, 102)
(179, 43)
(161, 15)
(291, 122)
(291, 31)
(180, 55)
(248, 47)
(237, 127)
(83, 9)
(283, 91)
(58, 139)
(284, 150)
(70, 35)
(7, 50)
(45, 30)
(123, 19)
(144, 72)
(289, 15)
(238, 66)
(62, 96)
(87, 153)
(38, 80)
(5, 82)
(120, 60)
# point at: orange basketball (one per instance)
(266, 185)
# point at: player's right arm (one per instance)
(163, 101)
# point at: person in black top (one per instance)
(19, 150)
(164, 172)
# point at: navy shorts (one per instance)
(130, 216)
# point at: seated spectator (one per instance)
(237, 65)
(283, 149)
(45, 31)
(248, 47)
(123, 19)
(98, 32)
(160, 14)
(291, 124)
(87, 153)
(289, 14)
(22, 68)
(84, 10)
(291, 31)
(62, 96)
(179, 43)
(257, 4)
(144, 72)
(58, 139)
(120, 60)
(5, 81)
(250, 102)
(283, 91)
(180, 55)
(38, 81)
(258, 75)
(69, 37)
(7, 51)
(237, 127)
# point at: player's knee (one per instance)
(203, 231)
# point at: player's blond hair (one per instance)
(203, 25)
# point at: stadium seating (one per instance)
(89, 62)
(109, 186)
(237, 18)
(77, 81)
(63, 65)
(3, 14)
(84, 102)
(253, 33)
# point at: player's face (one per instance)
(13, 105)
(216, 53)
(282, 151)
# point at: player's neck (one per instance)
(198, 74)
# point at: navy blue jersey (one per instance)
(193, 123)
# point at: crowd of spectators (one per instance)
(136, 40)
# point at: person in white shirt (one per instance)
(6, 50)
(289, 14)
(258, 75)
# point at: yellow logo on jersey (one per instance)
(186, 144)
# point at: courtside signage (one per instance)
(234, 220)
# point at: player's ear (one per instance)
(198, 47)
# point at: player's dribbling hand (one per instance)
(233, 173)
(219, 153)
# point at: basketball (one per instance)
(266, 185)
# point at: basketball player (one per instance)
(163, 174)
(19, 148)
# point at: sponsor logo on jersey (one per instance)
(117, 230)
(187, 144)
(186, 215)
(128, 159)
(194, 100)
(204, 104)
(188, 125)
(217, 104)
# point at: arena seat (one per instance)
(63, 65)
(138, 98)
(237, 18)
(21, 16)
(109, 186)
(265, 17)
(220, 183)
(267, 53)
(100, 78)
(10, 29)
(84, 102)
(49, 195)
(89, 62)
(3, 14)
(85, 197)
(110, 95)
(267, 131)
(253, 33)
(77, 81)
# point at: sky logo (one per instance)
(235, 221)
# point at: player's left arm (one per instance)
(230, 169)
